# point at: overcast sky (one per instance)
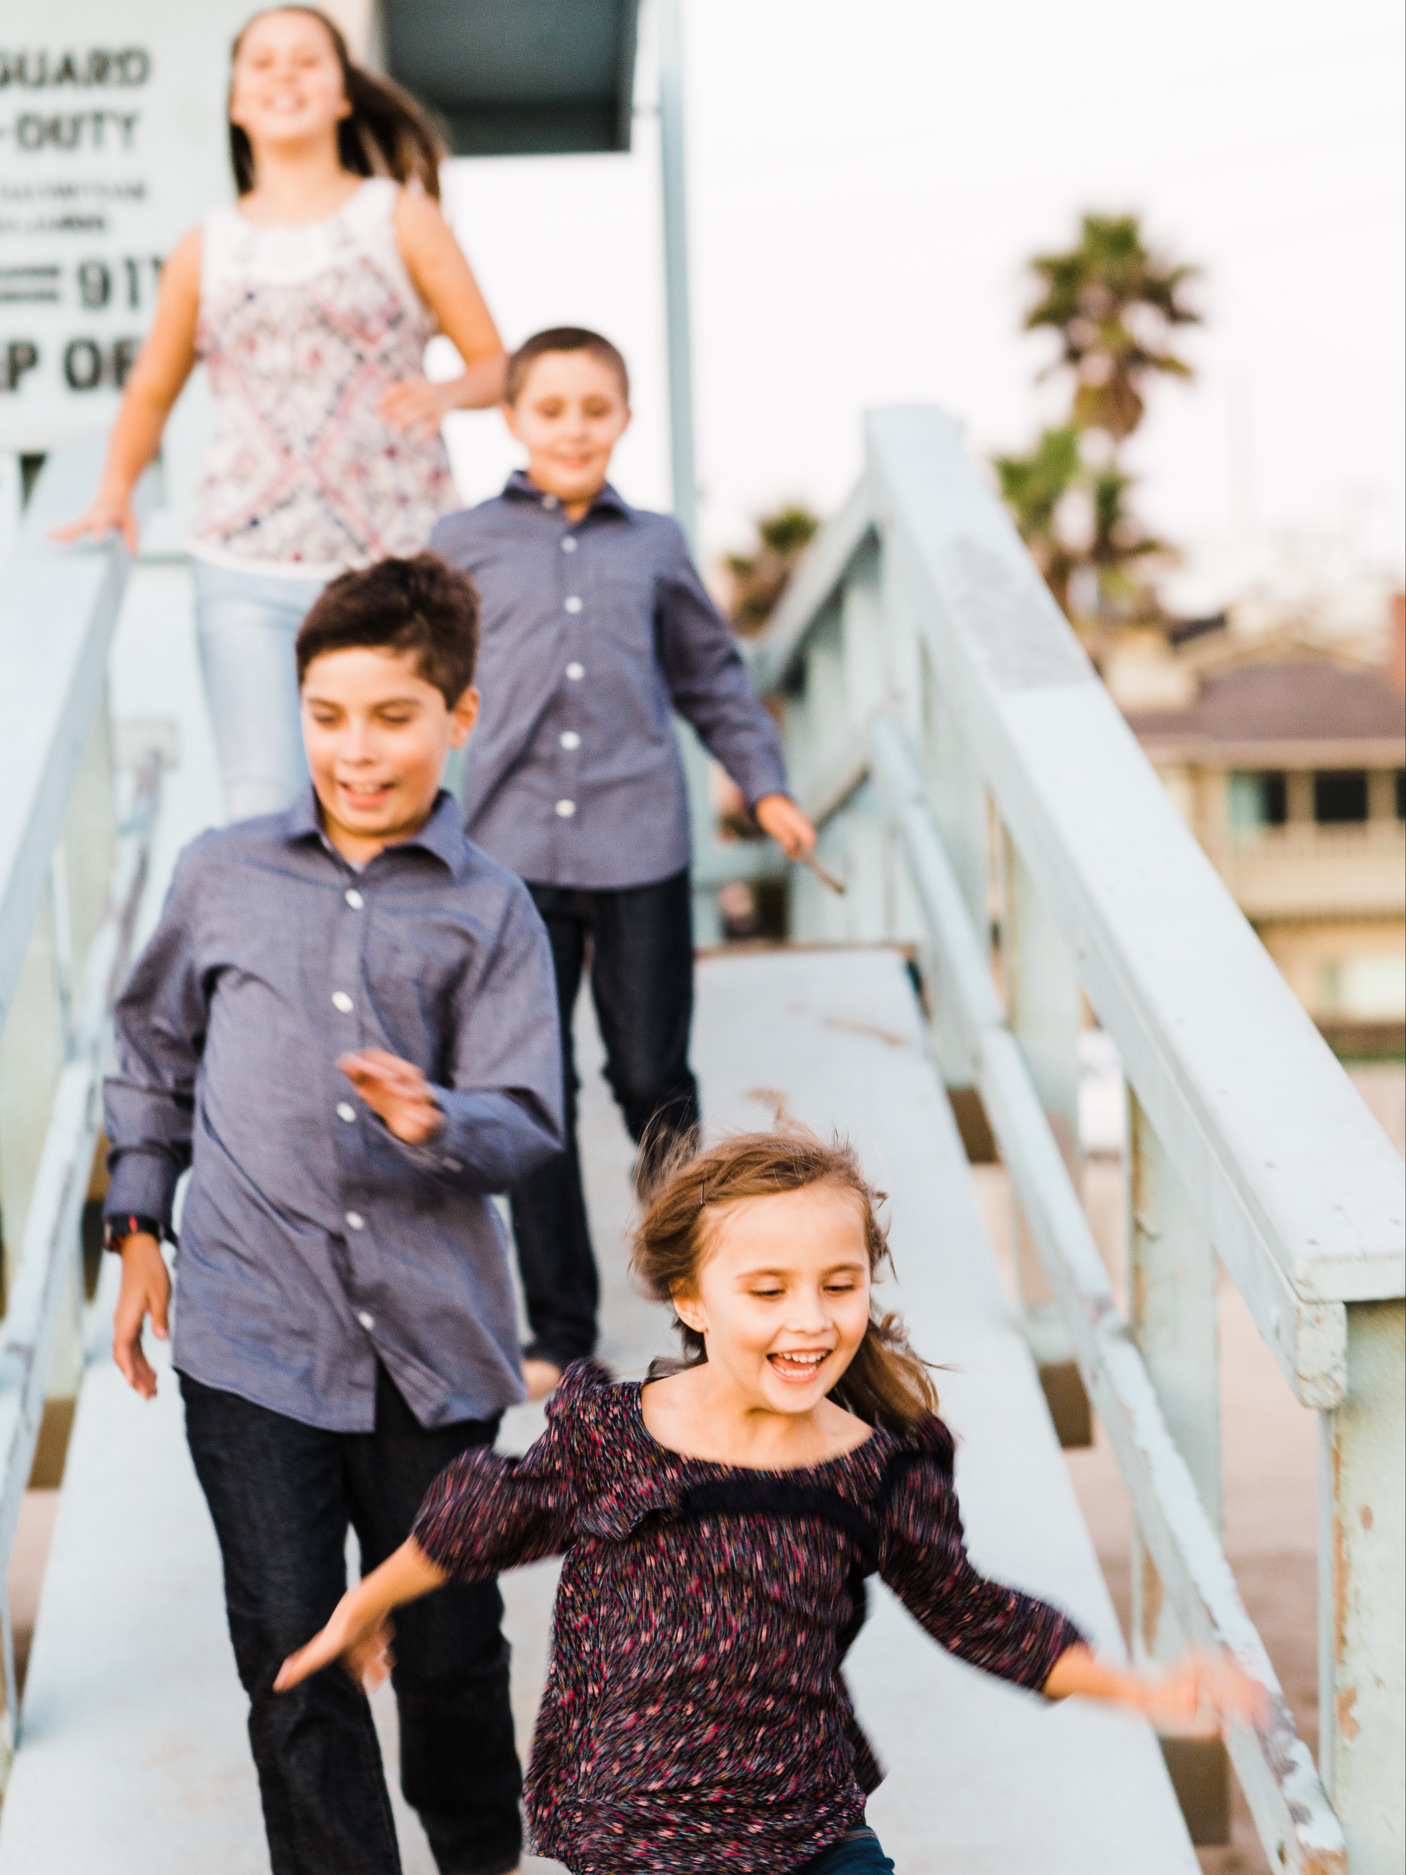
(866, 182)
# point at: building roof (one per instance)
(1291, 714)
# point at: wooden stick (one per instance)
(826, 878)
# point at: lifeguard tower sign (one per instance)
(112, 143)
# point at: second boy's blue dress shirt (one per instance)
(314, 1242)
(594, 634)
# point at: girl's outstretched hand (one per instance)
(359, 1633)
(1201, 1694)
(359, 1637)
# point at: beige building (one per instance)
(1287, 756)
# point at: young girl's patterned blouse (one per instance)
(695, 1717)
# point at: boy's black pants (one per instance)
(640, 943)
(282, 1495)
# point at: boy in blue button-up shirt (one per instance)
(345, 1027)
(596, 630)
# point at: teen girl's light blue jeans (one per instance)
(245, 624)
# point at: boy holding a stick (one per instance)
(596, 630)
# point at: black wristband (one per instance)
(116, 1230)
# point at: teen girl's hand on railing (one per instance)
(146, 1291)
(359, 1633)
(1199, 1694)
(778, 815)
(109, 514)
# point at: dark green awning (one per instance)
(518, 77)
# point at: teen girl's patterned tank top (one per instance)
(303, 330)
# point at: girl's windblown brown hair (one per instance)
(387, 134)
(886, 1384)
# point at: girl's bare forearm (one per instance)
(405, 1575)
(135, 439)
(1079, 1672)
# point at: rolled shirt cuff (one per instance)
(143, 1185)
(488, 1142)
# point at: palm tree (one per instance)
(1118, 537)
(759, 578)
(1114, 304)
(1034, 487)
(1094, 532)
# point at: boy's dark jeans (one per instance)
(282, 1495)
(641, 957)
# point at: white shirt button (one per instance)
(368, 1322)
(340, 1000)
(345, 1110)
(576, 672)
(573, 604)
(550, 503)
(568, 543)
(355, 1221)
(354, 898)
(570, 739)
(566, 809)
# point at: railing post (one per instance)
(864, 664)
(1362, 1591)
(1175, 1320)
(32, 1046)
(82, 878)
(817, 725)
(1045, 1008)
(960, 809)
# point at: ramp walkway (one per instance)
(134, 1757)
(1001, 835)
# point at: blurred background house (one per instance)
(1283, 744)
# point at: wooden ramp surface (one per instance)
(133, 1758)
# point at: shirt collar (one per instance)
(608, 501)
(442, 835)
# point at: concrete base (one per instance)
(1070, 1412)
(1200, 1772)
(51, 1447)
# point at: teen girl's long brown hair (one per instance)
(886, 1383)
(387, 133)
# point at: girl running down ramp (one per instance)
(719, 1522)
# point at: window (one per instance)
(1258, 798)
(1372, 988)
(1339, 796)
